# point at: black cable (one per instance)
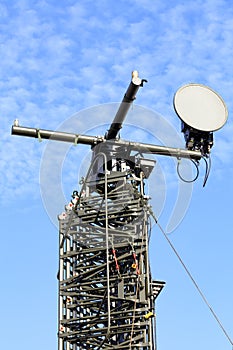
(208, 167)
(188, 181)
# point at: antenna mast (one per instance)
(106, 291)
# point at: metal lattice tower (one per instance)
(106, 293)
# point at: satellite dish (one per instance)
(200, 107)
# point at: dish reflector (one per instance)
(200, 107)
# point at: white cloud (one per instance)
(59, 59)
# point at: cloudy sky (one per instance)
(61, 61)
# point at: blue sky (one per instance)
(60, 58)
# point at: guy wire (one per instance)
(191, 277)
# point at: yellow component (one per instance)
(134, 266)
(135, 74)
(149, 315)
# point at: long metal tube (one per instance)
(94, 140)
(128, 98)
(160, 150)
(55, 135)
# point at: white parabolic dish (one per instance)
(200, 107)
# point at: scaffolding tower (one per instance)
(106, 292)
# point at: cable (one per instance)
(208, 167)
(107, 251)
(134, 311)
(191, 277)
(188, 181)
(136, 295)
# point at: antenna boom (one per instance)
(94, 140)
(56, 135)
(127, 101)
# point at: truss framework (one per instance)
(106, 293)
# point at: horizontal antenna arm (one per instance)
(160, 150)
(94, 140)
(128, 99)
(56, 135)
